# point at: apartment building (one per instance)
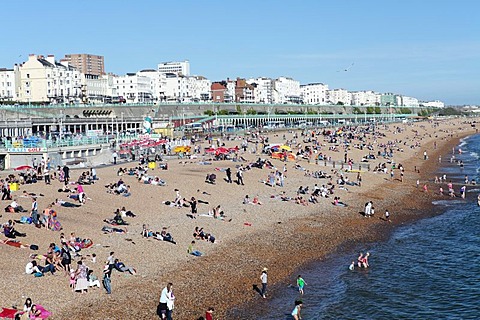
(314, 93)
(98, 89)
(86, 63)
(286, 90)
(7, 85)
(134, 88)
(365, 98)
(180, 68)
(263, 89)
(42, 79)
(339, 96)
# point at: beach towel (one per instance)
(55, 225)
(85, 243)
(8, 313)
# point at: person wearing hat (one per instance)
(263, 278)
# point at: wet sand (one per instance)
(283, 236)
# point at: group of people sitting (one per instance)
(163, 235)
(119, 214)
(118, 188)
(199, 234)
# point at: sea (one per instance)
(427, 269)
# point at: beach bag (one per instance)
(33, 247)
(38, 274)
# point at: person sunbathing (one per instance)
(120, 266)
(60, 202)
(107, 229)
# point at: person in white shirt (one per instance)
(32, 267)
(166, 303)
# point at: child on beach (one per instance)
(352, 266)
(300, 284)
(72, 279)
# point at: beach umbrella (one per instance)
(221, 150)
(210, 150)
(22, 168)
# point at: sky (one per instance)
(427, 49)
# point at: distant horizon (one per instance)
(428, 49)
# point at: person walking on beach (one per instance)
(229, 175)
(263, 278)
(300, 284)
(240, 176)
(387, 216)
(296, 311)
(165, 306)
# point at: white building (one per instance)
(314, 93)
(230, 94)
(98, 88)
(339, 96)
(134, 88)
(286, 90)
(433, 104)
(365, 98)
(199, 88)
(405, 101)
(7, 85)
(180, 68)
(43, 79)
(263, 92)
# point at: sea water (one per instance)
(429, 269)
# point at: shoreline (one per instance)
(284, 237)
(379, 232)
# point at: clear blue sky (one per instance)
(428, 49)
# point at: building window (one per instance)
(28, 75)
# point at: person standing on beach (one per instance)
(300, 284)
(229, 175)
(240, 176)
(263, 278)
(107, 273)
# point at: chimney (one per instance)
(51, 58)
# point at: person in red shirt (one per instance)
(209, 314)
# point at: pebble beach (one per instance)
(279, 235)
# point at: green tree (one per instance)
(378, 110)
(370, 110)
(251, 111)
(356, 110)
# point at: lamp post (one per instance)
(123, 129)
